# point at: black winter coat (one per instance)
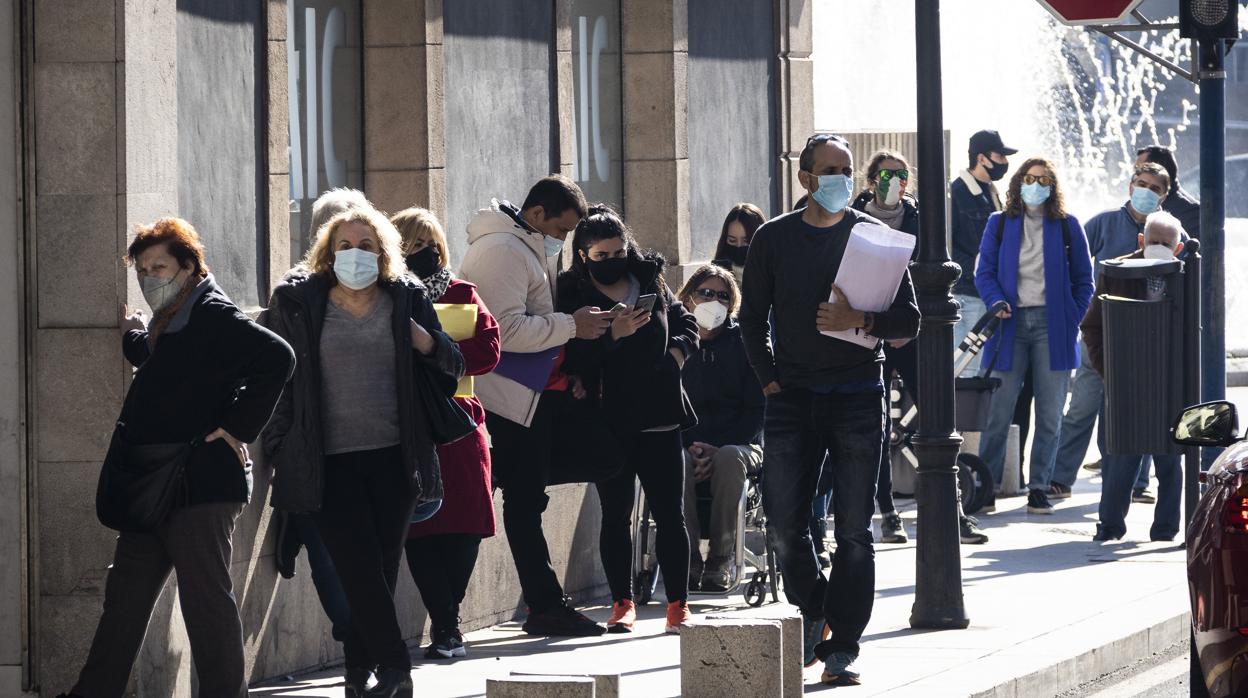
(211, 368)
(294, 439)
(636, 381)
(724, 392)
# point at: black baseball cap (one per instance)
(989, 142)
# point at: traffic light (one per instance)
(1209, 19)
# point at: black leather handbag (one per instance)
(448, 422)
(140, 484)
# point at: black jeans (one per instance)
(325, 579)
(800, 427)
(656, 458)
(195, 542)
(563, 443)
(441, 566)
(364, 520)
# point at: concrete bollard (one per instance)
(738, 657)
(1014, 482)
(790, 642)
(605, 685)
(540, 687)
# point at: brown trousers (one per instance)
(196, 543)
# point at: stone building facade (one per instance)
(235, 114)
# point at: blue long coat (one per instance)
(1067, 286)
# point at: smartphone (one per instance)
(646, 302)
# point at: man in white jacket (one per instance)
(508, 256)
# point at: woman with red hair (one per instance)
(209, 381)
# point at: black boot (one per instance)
(392, 683)
(357, 682)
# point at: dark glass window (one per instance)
(596, 89)
(323, 53)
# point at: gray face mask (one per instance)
(159, 293)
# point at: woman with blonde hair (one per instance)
(351, 441)
(442, 551)
(1034, 256)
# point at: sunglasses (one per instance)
(885, 175)
(1044, 180)
(708, 294)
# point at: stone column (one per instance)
(105, 143)
(277, 156)
(564, 96)
(796, 100)
(404, 114)
(13, 446)
(656, 148)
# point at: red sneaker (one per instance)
(623, 615)
(678, 616)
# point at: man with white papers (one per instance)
(825, 395)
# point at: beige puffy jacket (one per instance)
(507, 261)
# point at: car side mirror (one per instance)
(1208, 424)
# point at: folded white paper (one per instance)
(876, 257)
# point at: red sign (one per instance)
(1074, 12)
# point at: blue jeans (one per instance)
(800, 428)
(1141, 480)
(1087, 401)
(972, 309)
(1118, 476)
(1031, 348)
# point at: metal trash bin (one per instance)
(1143, 345)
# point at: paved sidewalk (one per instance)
(1049, 609)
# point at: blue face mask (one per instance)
(355, 268)
(553, 246)
(1035, 194)
(833, 192)
(1144, 200)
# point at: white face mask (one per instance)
(1158, 252)
(710, 315)
(355, 268)
(893, 194)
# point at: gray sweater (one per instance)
(359, 392)
(1031, 262)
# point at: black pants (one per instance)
(800, 428)
(194, 542)
(441, 566)
(657, 460)
(364, 520)
(563, 443)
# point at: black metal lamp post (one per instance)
(938, 577)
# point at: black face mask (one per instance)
(737, 254)
(607, 271)
(425, 263)
(996, 171)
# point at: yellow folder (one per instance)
(459, 322)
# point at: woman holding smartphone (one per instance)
(633, 374)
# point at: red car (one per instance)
(1217, 553)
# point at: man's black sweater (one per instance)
(789, 271)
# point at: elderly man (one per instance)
(1111, 234)
(1162, 239)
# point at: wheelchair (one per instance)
(758, 556)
